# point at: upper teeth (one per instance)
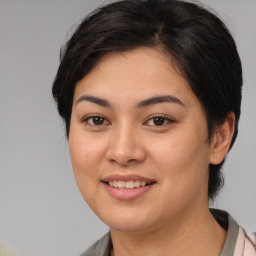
(127, 184)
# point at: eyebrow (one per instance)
(160, 99)
(144, 103)
(95, 100)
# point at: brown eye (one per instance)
(96, 120)
(159, 121)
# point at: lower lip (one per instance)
(127, 194)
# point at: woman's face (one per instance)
(135, 120)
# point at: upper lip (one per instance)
(126, 178)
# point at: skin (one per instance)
(173, 217)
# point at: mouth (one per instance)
(129, 184)
(127, 187)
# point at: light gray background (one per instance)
(41, 210)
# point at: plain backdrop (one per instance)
(41, 210)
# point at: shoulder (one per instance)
(245, 244)
(100, 248)
(238, 242)
(249, 242)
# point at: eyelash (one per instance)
(94, 116)
(163, 118)
(167, 120)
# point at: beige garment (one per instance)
(246, 244)
(4, 251)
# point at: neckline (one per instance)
(232, 228)
(103, 246)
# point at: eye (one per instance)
(159, 121)
(96, 120)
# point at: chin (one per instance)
(129, 227)
(129, 221)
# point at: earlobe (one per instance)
(221, 139)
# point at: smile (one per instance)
(127, 187)
(130, 184)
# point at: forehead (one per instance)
(136, 74)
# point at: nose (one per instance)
(125, 146)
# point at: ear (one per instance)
(221, 139)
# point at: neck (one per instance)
(195, 234)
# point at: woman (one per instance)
(150, 92)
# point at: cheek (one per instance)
(85, 154)
(179, 150)
(84, 162)
(183, 163)
(85, 150)
(183, 175)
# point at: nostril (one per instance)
(122, 160)
(131, 160)
(125, 152)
